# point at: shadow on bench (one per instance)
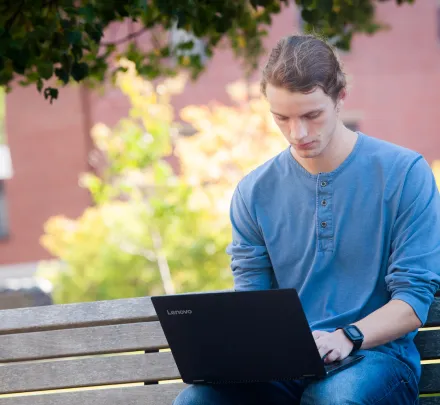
(80, 345)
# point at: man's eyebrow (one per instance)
(281, 115)
(316, 110)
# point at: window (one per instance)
(438, 20)
(3, 213)
(5, 168)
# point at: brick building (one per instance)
(395, 78)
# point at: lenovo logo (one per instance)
(180, 312)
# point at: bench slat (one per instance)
(430, 381)
(110, 312)
(122, 338)
(424, 401)
(162, 394)
(77, 315)
(145, 336)
(434, 313)
(94, 371)
(125, 369)
(428, 344)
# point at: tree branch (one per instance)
(162, 263)
(127, 38)
(10, 22)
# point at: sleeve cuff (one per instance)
(421, 308)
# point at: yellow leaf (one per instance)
(238, 91)
(436, 171)
(241, 42)
(186, 60)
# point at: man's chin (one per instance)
(307, 154)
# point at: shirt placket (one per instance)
(324, 209)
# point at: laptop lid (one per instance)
(220, 337)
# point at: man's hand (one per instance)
(333, 346)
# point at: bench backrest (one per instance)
(118, 343)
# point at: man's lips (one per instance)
(307, 145)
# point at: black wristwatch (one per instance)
(355, 335)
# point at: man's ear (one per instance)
(342, 96)
(340, 100)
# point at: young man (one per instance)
(351, 222)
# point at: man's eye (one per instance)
(313, 116)
(281, 118)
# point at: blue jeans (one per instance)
(377, 379)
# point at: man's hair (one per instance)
(301, 63)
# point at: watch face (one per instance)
(354, 332)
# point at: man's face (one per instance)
(308, 121)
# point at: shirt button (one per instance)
(323, 224)
(323, 183)
(324, 203)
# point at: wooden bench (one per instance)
(81, 345)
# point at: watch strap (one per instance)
(357, 343)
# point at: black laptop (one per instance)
(237, 337)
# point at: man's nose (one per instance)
(297, 130)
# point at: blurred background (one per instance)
(123, 189)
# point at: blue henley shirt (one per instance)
(349, 240)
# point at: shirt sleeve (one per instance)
(250, 262)
(413, 272)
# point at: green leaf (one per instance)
(142, 4)
(95, 32)
(344, 42)
(66, 24)
(80, 71)
(45, 70)
(20, 57)
(87, 12)
(63, 75)
(77, 52)
(67, 61)
(74, 37)
(311, 16)
(188, 45)
(51, 93)
(254, 3)
(57, 40)
(325, 5)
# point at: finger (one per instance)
(319, 333)
(334, 355)
(324, 349)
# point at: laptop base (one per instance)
(330, 369)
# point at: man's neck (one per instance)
(338, 149)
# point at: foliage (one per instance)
(3, 139)
(145, 235)
(229, 143)
(148, 218)
(42, 40)
(339, 20)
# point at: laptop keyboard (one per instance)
(342, 363)
(332, 366)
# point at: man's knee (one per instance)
(195, 395)
(377, 378)
(326, 394)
